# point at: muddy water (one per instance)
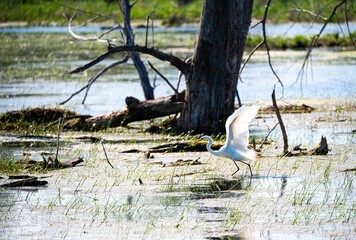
(306, 197)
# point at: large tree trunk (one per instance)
(211, 83)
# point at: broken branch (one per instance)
(281, 124)
(164, 78)
(106, 156)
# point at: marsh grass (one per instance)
(305, 194)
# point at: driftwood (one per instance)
(134, 111)
(23, 181)
(51, 164)
(288, 109)
(48, 163)
(321, 148)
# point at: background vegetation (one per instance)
(173, 12)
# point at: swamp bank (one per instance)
(186, 194)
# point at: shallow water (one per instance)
(37, 74)
(287, 29)
(307, 197)
(97, 202)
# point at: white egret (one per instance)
(237, 135)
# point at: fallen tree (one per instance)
(134, 111)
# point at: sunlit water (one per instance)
(329, 74)
(98, 202)
(287, 29)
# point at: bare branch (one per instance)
(93, 79)
(56, 162)
(133, 4)
(316, 38)
(98, 39)
(266, 42)
(106, 156)
(173, 60)
(269, 132)
(164, 78)
(281, 124)
(250, 55)
(301, 10)
(87, 12)
(147, 23)
(256, 24)
(123, 60)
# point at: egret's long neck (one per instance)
(208, 146)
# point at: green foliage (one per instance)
(301, 42)
(281, 11)
(10, 166)
(44, 12)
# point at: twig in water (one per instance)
(270, 131)
(107, 159)
(56, 162)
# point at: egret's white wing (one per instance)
(237, 127)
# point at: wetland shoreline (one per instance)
(289, 197)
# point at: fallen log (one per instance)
(134, 111)
(287, 109)
(23, 181)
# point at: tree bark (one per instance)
(135, 110)
(212, 79)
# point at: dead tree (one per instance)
(212, 74)
(129, 39)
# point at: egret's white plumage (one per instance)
(237, 135)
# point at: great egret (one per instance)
(237, 135)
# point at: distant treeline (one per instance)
(171, 12)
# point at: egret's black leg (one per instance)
(249, 166)
(237, 168)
